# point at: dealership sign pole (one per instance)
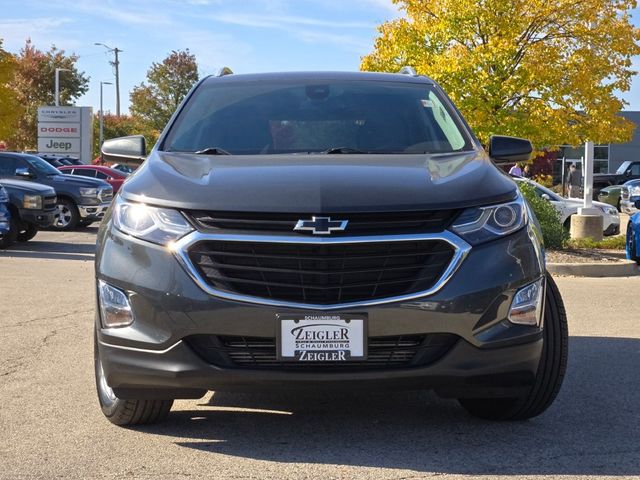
(66, 131)
(588, 222)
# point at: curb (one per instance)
(625, 268)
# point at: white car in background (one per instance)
(569, 206)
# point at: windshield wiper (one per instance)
(345, 150)
(212, 151)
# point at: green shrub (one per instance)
(618, 242)
(554, 234)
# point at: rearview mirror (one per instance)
(545, 197)
(509, 149)
(23, 172)
(131, 150)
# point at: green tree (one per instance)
(548, 70)
(34, 83)
(121, 126)
(10, 109)
(167, 84)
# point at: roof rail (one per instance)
(224, 71)
(407, 70)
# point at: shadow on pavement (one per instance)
(55, 246)
(592, 429)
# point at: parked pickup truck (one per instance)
(629, 170)
(81, 200)
(31, 205)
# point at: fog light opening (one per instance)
(115, 308)
(526, 307)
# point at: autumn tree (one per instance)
(114, 126)
(10, 109)
(167, 84)
(34, 83)
(548, 70)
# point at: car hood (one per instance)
(318, 183)
(27, 187)
(606, 176)
(80, 181)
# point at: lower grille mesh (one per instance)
(260, 352)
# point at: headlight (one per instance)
(156, 225)
(609, 211)
(32, 202)
(89, 192)
(482, 224)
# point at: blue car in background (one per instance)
(633, 235)
(5, 218)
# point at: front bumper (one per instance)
(94, 212)
(152, 357)
(629, 206)
(41, 218)
(613, 229)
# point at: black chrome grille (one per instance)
(384, 223)
(321, 274)
(49, 202)
(106, 195)
(260, 352)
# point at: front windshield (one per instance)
(622, 168)
(41, 166)
(252, 118)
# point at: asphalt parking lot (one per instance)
(51, 426)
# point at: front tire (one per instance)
(85, 223)
(551, 369)
(27, 233)
(67, 216)
(126, 412)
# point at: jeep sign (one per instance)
(66, 131)
(59, 145)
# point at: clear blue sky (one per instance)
(246, 35)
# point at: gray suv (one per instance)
(323, 230)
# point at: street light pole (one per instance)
(57, 88)
(101, 114)
(116, 66)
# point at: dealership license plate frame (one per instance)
(333, 319)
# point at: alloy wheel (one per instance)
(63, 216)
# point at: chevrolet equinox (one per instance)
(323, 230)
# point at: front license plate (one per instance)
(322, 338)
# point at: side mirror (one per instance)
(509, 149)
(545, 197)
(130, 150)
(23, 172)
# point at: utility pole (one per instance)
(116, 67)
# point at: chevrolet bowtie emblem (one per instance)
(321, 225)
